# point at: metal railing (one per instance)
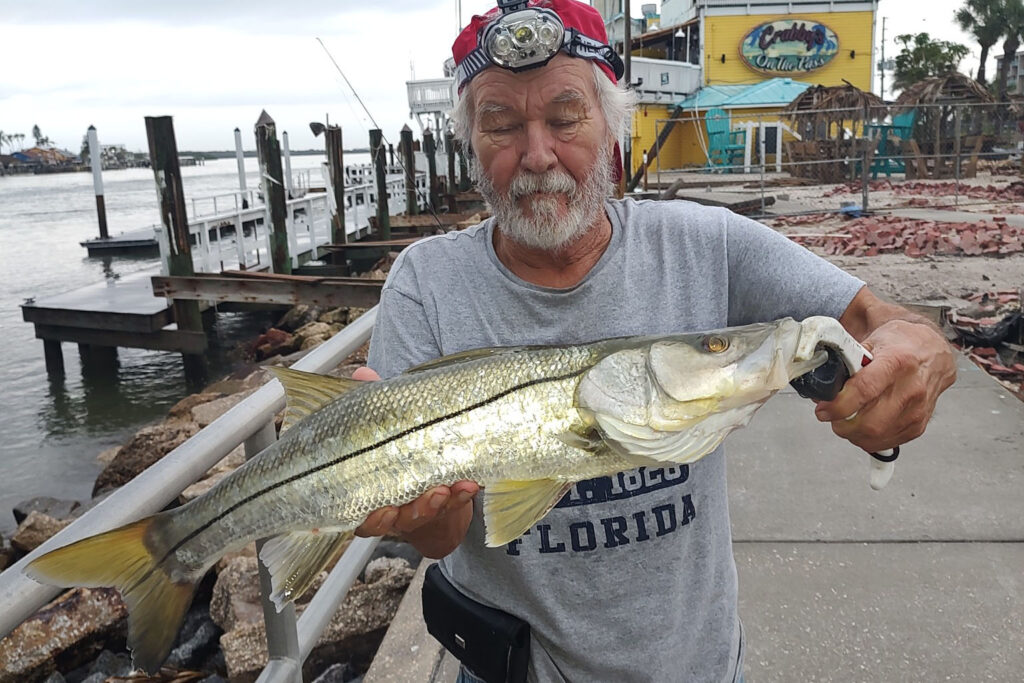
(251, 422)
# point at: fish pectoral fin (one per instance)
(590, 442)
(512, 507)
(645, 446)
(296, 559)
(307, 392)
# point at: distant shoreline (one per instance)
(230, 154)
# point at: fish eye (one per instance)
(716, 344)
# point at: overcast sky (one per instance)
(215, 64)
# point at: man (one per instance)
(629, 578)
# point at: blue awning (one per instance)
(775, 92)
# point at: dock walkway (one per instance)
(919, 582)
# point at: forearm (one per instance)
(866, 313)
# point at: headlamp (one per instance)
(524, 37)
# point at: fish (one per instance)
(525, 422)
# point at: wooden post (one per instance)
(391, 155)
(464, 183)
(336, 166)
(430, 149)
(377, 156)
(240, 161)
(289, 190)
(96, 161)
(409, 163)
(269, 152)
(163, 154)
(54, 359)
(449, 148)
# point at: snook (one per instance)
(525, 422)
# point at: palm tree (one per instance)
(1013, 29)
(983, 19)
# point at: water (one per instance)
(53, 431)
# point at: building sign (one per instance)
(789, 47)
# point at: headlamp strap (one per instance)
(579, 45)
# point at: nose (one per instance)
(539, 155)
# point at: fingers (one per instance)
(365, 374)
(435, 503)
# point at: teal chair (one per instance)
(725, 146)
(886, 159)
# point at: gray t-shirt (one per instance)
(628, 578)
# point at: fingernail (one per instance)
(464, 496)
(389, 518)
(437, 500)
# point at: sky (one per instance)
(214, 65)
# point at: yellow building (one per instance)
(742, 60)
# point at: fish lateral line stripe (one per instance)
(366, 449)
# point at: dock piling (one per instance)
(240, 160)
(464, 183)
(383, 212)
(336, 166)
(430, 148)
(96, 161)
(268, 149)
(54, 359)
(163, 153)
(288, 188)
(449, 148)
(409, 162)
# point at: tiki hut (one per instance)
(955, 119)
(829, 121)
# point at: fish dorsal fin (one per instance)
(296, 559)
(512, 507)
(307, 392)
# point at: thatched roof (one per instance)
(822, 100)
(951, 88)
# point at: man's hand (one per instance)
(435, 523)
(893, 397)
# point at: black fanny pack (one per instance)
(492, 644)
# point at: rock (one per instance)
(335, 316)
(275, 342)
(213, 679)
(202, 643)
(245, 652)
(54, 507)
(383, 568)
(206, 413)
(107, 456)
(65, 634)
(55, 677)
(314, 329)
(400, 549)
(298, 316)
(236, 595)
(337, 673)
(108, 665)
(182, 410)
(35, 530)
(231, 462)
(312, 342)
(8, 555)
(147, 446)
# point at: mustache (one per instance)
(553, 181)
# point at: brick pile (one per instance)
(870, 236)
(990, 332)
(1014, 192)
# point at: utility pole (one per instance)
(627, 147)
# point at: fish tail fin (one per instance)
(123, 558)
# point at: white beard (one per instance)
(547, 228)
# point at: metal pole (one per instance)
(377, 156)
(761, 151)
(269, 152)
(431, 150)
(163, 154)
(464, 183)
(240, 160)
(957, 117)
(96, 160)
(336, 167)
(409, 162)
(287, 165)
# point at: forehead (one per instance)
(536, 87)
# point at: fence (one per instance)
(251, 422)
(927, 141)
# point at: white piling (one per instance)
(240, 158)
(96, 160)
(287, 165)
